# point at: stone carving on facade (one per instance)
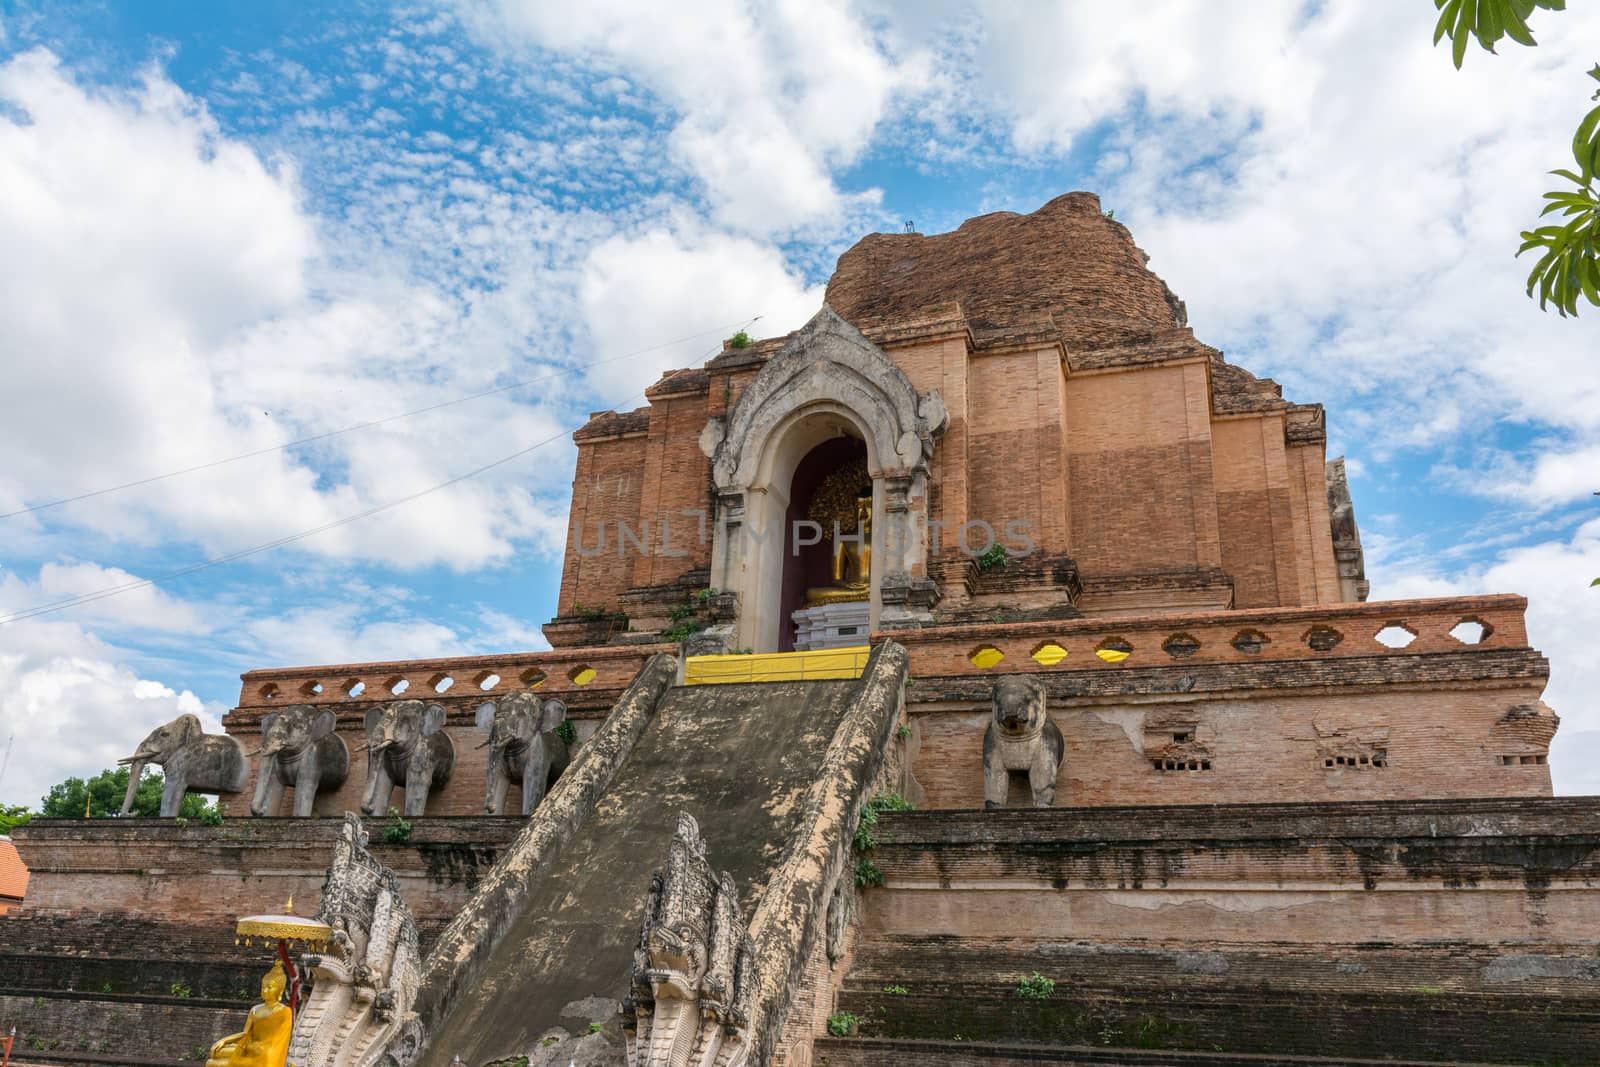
(1345, 744)
(300, 749)
(359, 1011)
(1021, 737)
(523, 748)
(1178, 741)
(1523, 734)
(1347, 552)
(191, 760)
(406, 746)
(690, 993)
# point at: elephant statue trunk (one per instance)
(135, 765)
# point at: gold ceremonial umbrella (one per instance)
(286, 929)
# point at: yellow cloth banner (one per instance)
(777, 666)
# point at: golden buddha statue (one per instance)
(852, 563)
(265, 1040)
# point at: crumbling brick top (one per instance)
(1066, 264)
(613, 424)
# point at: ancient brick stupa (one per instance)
(994, 539)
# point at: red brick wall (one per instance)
(1139, 472)
(606, 490)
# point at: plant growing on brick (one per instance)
(843, 1023)
(739, 340)
(682, 631)
(398, 832)
(567, 732)
(903, 732)
(178, 989)
(896, 990)
(1035, 987)
(867, 874)
(994, 558)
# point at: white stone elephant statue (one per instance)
(406, 745)
(523, 748)
(299, 749)
(192, 760)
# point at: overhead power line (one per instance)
(253, 550)
(358, 426)
(110, 591)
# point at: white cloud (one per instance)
(169, 300)
(768, 102)
(70, 704)
(1563, 617)
(672, 283)
(1332, 198)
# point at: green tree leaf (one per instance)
(104, 794)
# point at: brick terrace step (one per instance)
(876, 1052)
(1418, 1025)
(932, 963)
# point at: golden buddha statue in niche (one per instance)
(265, 1039)
(852, 562)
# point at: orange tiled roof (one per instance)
(13, 875)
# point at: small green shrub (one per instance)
(740, 340)
(681, 611)
(567, 731)
(994, 558)
(211, 815)
(594, 1028)
(896, 990)
(398, 832)
(903, 732)
(178, 989)
(843, 1023)
(106, 987)
(1035, 987)
(682, 631)
(705, 595)
(867, 873)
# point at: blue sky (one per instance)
(229, 226)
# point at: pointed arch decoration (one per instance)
(829, 378)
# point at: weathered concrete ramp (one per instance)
(740, 759)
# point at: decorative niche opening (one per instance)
(1048, 654)
(1250, 641)
(581, 675)
(533, 677)
(1181, 646)
(311, 688)
(397, 685)
(270, 691)
(1471, 631)
(985, 656)
(1113, 650)
(1395, 635)
(441, 682)
(1168, 764)
(354, 688)
(487, 680)
(1323, 638)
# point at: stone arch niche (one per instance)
(829, 380)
